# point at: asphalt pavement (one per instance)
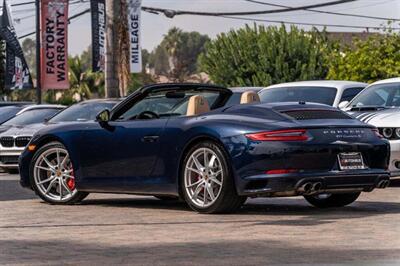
(111, 229)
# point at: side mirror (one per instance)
(103, 116)
(343, 105)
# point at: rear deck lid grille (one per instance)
(316, 114)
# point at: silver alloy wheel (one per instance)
(53, 175)
(203, 177)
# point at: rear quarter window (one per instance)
(350, 93)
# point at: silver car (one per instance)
(14, 137)
(379, 105)
(331, 92)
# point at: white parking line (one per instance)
(7, 177)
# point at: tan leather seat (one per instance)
(197, 105)
(249, 97)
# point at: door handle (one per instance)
(150, 138)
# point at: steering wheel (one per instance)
(147, 115)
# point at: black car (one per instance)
(211, 155)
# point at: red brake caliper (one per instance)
(71, 181)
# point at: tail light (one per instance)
(376, 132)
(280, 135)
(281, 171)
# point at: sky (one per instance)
(155, 26)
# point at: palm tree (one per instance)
(78, 79)
(172, 43)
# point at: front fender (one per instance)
(69, 138)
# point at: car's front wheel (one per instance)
(52, 175)
(327, 200)
(207, 182)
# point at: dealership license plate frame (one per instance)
(346, 165)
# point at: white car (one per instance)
(379, 105)
(330, 92)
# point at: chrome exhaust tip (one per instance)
(383, 184)
(317, 186)
(387, 183)
(306, 188)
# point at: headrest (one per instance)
(249, 97)
(197, 105)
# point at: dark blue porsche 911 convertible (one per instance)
(183, 140)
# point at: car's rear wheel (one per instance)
(327, 200)
(207, 182)
(52, 175)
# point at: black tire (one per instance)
(333, 200)
(228, 200)
(78, 197)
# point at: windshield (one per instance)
(8, 112)
(324, 95)
(380, 95)
(82, 112)
(32, 117)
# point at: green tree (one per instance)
(2, 66)
(145, 58)
(86, 58)
(83, 81)
(158, 60)
(78, 78)
(177, 54)
(260, 56)
(138, 80)
(191, 45)
(376, 58)
(172, 42)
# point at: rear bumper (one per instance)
(332, 182)
(394, 158)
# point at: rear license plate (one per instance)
(351, 161)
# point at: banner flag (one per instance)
(98, 10)
(17, 74)
(54, 46)
(135, 58)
